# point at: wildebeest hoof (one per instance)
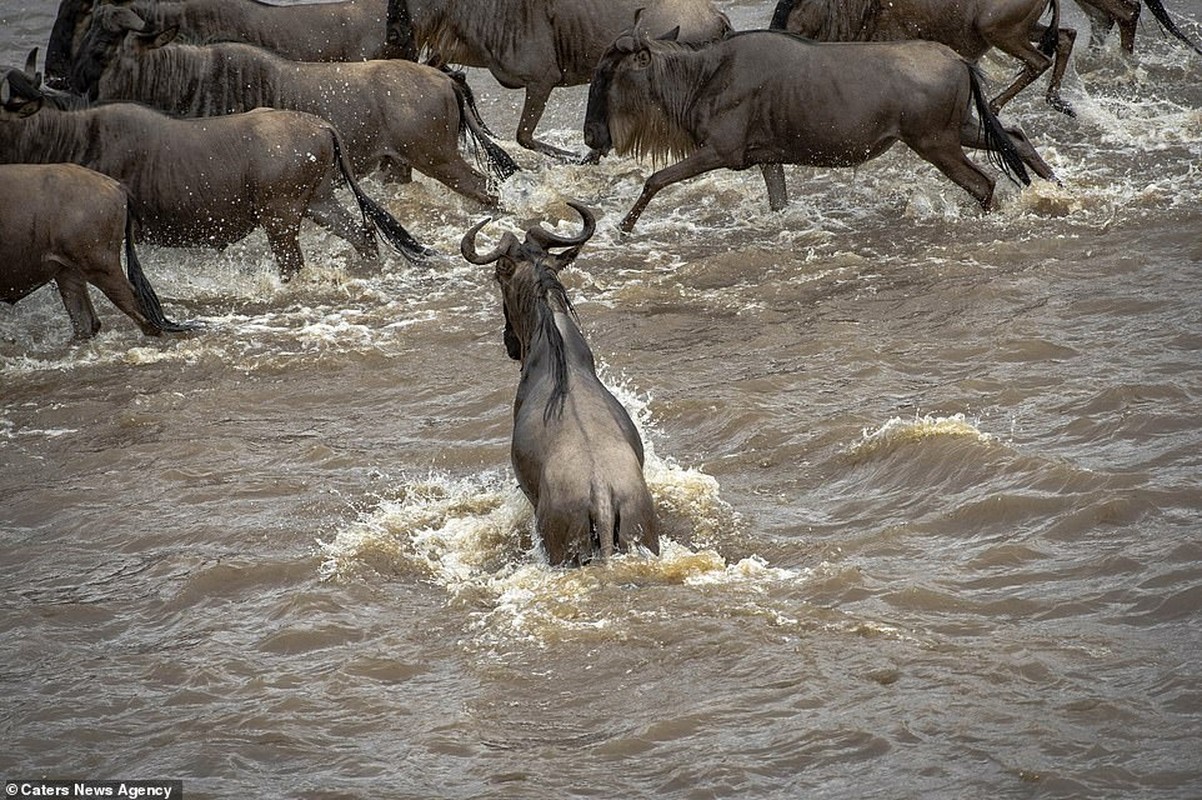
(592, 157)
(1063, 107)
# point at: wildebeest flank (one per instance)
(64, 223)
(770, 98)
(538, 45)
(970, 27)
(576, 453)
(399, 112)
(206, 182)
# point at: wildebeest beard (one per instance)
(651, 125)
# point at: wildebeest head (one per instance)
(528, 274)
(623, 113)
(400, 36)
(19, 95)
(113, 31)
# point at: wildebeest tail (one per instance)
(375, 214)
(1001, 149)
(781, 15)
(604, 521)
(500, 164)
(1162, 16)
(1051, 36)
(148, 301)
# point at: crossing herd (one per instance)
(194, 122)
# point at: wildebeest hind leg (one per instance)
(951, 161)
(334, 217)
(117, 289)
(972, 135)
(74, 293)
(460, 176)
(774, 180)
(702, 160)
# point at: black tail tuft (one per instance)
(1162, 16)
(499, 163)
(151, 308)
(375, 214)
(1001, 150)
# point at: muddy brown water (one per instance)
(929, 481)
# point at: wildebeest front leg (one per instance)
(774, 180)
(700, 161)
(532, 111)
(74, 293)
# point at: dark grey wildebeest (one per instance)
(64, 223)
(769, 98)
(1104, 14)
(349, 30)
(577, 454)
(205, 182)
(392, 111)
(970, 27)
(538, 45)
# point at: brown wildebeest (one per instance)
(399, 112)
(349, 30)
(770, 98)
(575, 451)
(1103, 14)
(970, 27)
(205, 182)
(541, 44)
(64, 223)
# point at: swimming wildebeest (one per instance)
(349, 30)
(770, 98)
(64, 223)
(205, 182)
(541, 44)
(576, 452)
(399, 112)
(1103, 14)
(970, 27)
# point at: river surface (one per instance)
(929, 482)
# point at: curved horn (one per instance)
(467, 246)
(544, 238)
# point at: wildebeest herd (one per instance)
(194, 122)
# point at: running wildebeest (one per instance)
(64, 223)
(770, 98)
(348, 30)
(538, 45)
(1103, 14)
(576, 453)
(205, 182)
(969, 27)
(392, 111)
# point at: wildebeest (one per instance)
(399, 112)
(576, 453)
(205, 182)
(349, 30)
(541, 44)
(770, 98)
(970, 27)
(64, 223)
(1103, 14)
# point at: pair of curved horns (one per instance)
(539, 235)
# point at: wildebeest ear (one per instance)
(31, 67)
(561, 260)
(670, 36)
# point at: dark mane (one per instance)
(542, 295)
(841, 20)
(780, 16)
